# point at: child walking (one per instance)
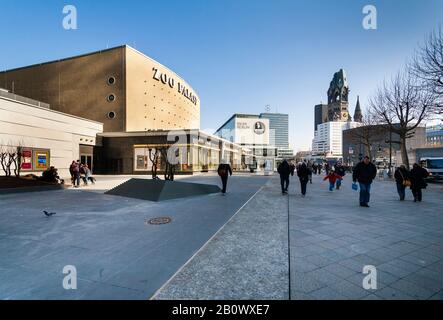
(333, 178)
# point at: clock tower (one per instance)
(338, 97)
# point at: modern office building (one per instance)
(434, 136)
(46, 137)
(328, 139)
(279, 133)
(321, 114)
(253, 133)
(140, 104)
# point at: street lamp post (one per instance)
(390, 153)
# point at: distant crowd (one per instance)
(363, 174)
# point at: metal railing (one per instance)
(33, 102)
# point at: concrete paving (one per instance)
(116, 254)
(257, 254)
(247, 259)
(330, 238)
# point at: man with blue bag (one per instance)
(364, 172)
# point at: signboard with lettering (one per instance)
(172, 83)
(252, 131)
(26, 159)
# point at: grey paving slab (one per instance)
(247, 259)
(403, 240)
(412, 289)
(117, 255)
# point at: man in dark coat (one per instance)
(417, 176)
(303, 175)
(340, 170)
(224, 171)
(284, 169)
(364, 172)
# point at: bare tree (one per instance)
(403, 104)
(369, 133)
(4, 158)
(18, 160)
(427, 65)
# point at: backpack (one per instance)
(223, 172)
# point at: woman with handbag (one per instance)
(417, 176)
(401, 176)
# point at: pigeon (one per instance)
(49, 214)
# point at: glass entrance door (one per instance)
(87, 159)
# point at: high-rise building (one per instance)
(333, 118)
(279, 133)
(279, 123)
(328, 138)
(321, 114)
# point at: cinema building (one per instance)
(141, 105)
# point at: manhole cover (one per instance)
(157, 221)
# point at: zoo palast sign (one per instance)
(167, 80)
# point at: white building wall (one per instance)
(36, 127)
(329, 137)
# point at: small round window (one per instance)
(111, 115)
(111, 80)
(111, 98)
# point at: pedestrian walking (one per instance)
(327, 167)
(310, 172)
(284, 170)
(88, 174)
(76, 174)
(417, 176)
(341, 171)
(364, 172)
(402, 180)
(333, 178)
(224, 171)
(303, 175)
(71, 172)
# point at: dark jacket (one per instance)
(303, 172)
(340, 170)
(364, 173)
(284, 169)
(417, 176)
(400, 175)
(224, 170)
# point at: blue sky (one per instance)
(239, 55)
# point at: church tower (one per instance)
(358, 116)
(338, 97)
